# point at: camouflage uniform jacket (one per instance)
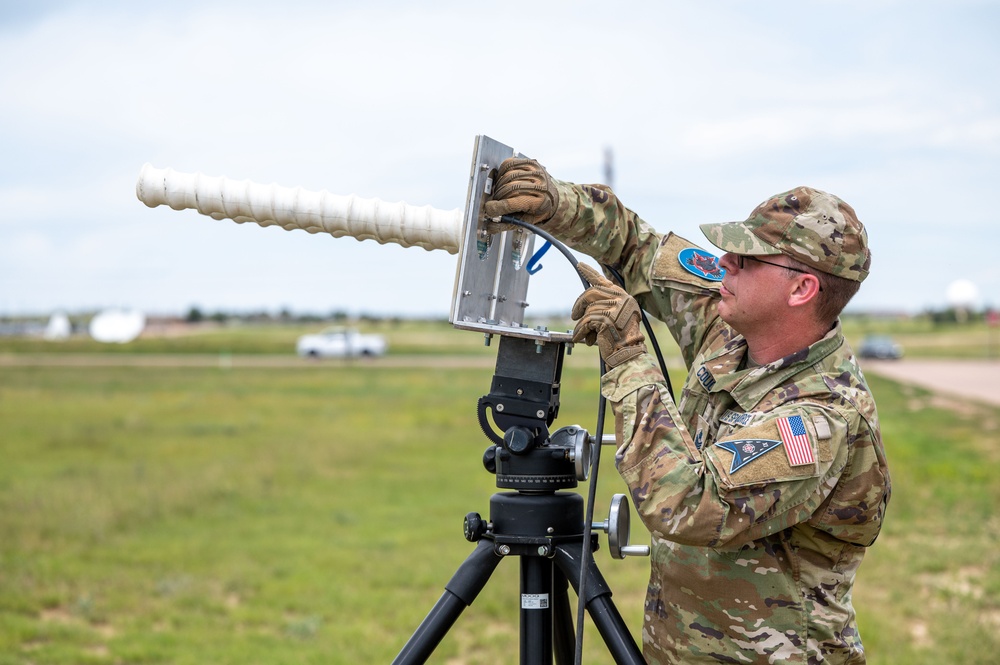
(754, 552)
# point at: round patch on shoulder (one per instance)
(701, 263)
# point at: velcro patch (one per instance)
(706, 378)
(738, 418)
(742, 458)
(747, 450)
(667, 266)
(701, 263)
(822, 427)
(797, 445)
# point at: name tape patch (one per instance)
(705, 377)
(731, 417)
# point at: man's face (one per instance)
(755, 295)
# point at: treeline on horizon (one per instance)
(197, 315)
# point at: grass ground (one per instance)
(313, 514)
(241, 516)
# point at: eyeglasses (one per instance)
(741, 257)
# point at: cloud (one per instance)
(708, 109)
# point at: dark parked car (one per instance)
(880, 346)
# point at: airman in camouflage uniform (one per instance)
(755, 549)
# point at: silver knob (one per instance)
(617, 528)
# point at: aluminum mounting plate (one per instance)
(491, 282)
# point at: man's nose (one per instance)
(729, 261)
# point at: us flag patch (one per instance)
(797, 446)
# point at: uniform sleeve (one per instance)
(738, 488)
(592, 220)
(685, 301)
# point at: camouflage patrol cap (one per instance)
(806, 224)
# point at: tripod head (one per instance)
(524, 402)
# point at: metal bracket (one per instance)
(491, 282)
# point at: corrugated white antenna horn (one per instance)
(297, 208)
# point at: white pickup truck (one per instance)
(340, 343)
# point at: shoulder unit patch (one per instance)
(701, 263)
(747, 450)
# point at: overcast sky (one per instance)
(709, 108)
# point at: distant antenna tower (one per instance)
(609, 168)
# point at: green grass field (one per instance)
(313, 514)
(920, 338)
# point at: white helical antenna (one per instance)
(296, 208)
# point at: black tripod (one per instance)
(542, 526)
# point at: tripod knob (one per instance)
(490, 459)
(617, 528)
(518, 440)
(475, 527)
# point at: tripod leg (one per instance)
(461, 590)
(536, 611)
(563, 636)
(599, 605)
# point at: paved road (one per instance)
(971, 379)
(227, 361)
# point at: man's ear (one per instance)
(806, 290)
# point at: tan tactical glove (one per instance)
(609, 317)
(523, 188)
